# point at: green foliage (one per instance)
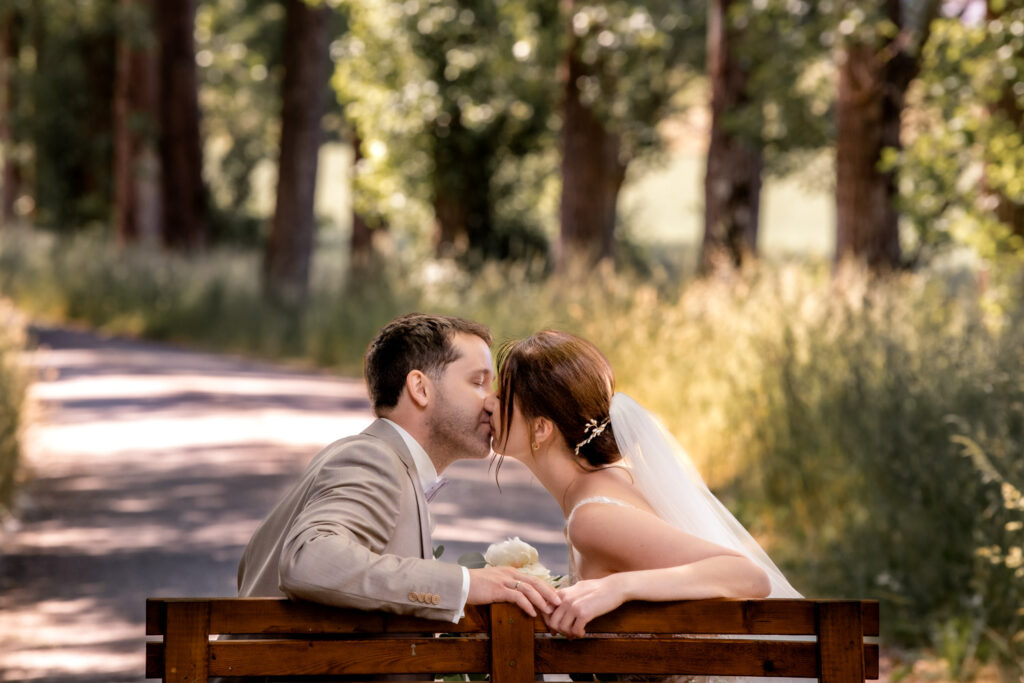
(791, 84)
(967, 147)
(434, 87)
(13, 385)
(641, 55)
(444, 92)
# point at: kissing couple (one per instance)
(640, 522)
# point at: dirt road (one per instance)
(151, 466)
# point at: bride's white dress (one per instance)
(670, 483)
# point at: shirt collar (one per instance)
(425, 469)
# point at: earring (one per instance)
(536, 446)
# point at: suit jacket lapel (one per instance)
(386, 433)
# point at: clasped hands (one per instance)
(566, 610)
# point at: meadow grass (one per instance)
(13, 385)
(869, 432)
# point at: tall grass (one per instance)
(12, 401)
(871, 433)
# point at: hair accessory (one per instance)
(592, 430)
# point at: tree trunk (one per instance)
(137, 199)
(361, 246)
(732, 184)
(866, 220)
(185, 201)
(304, 96)
(592, 173)
(10, 30)
(873, 82)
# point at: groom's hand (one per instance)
(508, 584)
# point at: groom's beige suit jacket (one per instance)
(354, 532)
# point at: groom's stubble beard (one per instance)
(456, 433)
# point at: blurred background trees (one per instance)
(281, 177)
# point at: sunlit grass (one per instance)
(13, 385)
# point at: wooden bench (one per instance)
(303, 639)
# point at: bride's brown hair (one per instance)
(566, 379)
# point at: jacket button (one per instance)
(413, 596)
(436, 599)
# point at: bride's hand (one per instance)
(583, 601)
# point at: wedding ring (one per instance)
(515, 586)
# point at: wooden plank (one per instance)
(869, 617)
(278, 615)
(754, 617)
(186, 642)
(154, 660)
(156, 617)
(841, 656)
(240, 616)
(871, 661)
(512, 644)
(691, 656)
(335, 657)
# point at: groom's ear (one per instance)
(418, 386)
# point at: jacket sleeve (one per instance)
(333, 551)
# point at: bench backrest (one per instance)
(276, 637)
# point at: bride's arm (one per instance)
(649, 560)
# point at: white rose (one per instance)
(511, 553)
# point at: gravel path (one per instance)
(151, 466)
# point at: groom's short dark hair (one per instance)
(414, 341)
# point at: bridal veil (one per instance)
(668, 479)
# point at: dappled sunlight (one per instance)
(489, 530)
(103, 438)
(59, 637)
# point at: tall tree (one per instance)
(185, 199)
(138, 210)
(304, 90)
(732, 183)
(876, 66)
(622, 66)
(10, 39)
(593, 166)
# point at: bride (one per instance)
(639, 520)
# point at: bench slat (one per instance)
(512, 643)
(316, 657)
(188, 629)
(839, 635)
(678, 656)
(242, 616)
(155, 661)
(275, 616)
(758, 617)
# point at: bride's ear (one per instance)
(543, 429)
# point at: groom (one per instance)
(354, 530)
